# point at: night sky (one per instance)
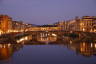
(47, 11)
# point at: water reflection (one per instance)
(7, 50)
(40, 37)
(23, 39)
(82, 47)
(47, 37)
(86, 48)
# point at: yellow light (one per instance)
(94, 30)
(26, 38)
(83, 29)
(54, 35)
(91, 45)
(18, 41)
(84, 44)
(0, 45)
(21, 39)
(1, 32)
(9, 45)
(4, 46)
(95, 45)
(81, 24)
(70, 42)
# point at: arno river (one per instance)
(47, 49)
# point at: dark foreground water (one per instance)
(45, 54)
(48, 50)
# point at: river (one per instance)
(49, 50)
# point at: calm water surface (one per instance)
(43, 54)
(49, 51)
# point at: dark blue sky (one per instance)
(47, 11)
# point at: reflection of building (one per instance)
(5, 23)
(46, 37)
(7, 50)
(86, 48)
(23, 39)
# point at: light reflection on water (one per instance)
(42, 54)
(51, 51)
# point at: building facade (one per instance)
(88, 23)
(5, 23)
(19, 26)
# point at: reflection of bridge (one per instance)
(38, 34)
(86, 48)
(60, 34)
